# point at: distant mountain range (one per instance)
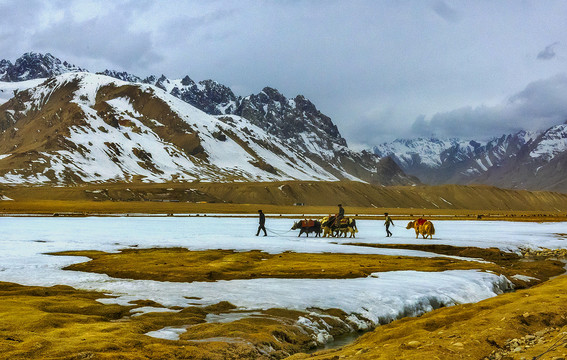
(63, 125)
(524, 160)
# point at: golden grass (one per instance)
(471, 331)
(63, 323)
(182, 265)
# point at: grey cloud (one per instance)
(372, 66)
(540, 105)
(446, 12)
(207, 27)
(372, 127)
(547, 53)
(103, 38)
(17, 20)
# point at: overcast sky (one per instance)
(380, 69)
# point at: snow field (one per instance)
(377, 299)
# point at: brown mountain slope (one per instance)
(84, 128)
(278, 197)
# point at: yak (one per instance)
(426, 229)
(343, 228)
(307, 227)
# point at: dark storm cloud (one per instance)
(548, 53)
(540, 105)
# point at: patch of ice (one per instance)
(148, 309)
(524, 278)
(168, 333)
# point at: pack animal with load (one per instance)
(334, 228)
(307, 227)
(423, 227)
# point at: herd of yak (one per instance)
(330, 226)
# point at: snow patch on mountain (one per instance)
(423, 151)
(552, 143)
(7, 89)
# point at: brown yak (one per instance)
(426, 229)
(347, 226)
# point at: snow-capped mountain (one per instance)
(524, 160)
(296, 121)
(83, 127)
(80, 126)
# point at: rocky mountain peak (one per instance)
(269, 94)
(304, 104)
(121, 75)
(34, 66)
(290, 119)
(162, 82)
(4, 66)
(150, 80)
(187, 81)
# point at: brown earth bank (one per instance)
(64, 323)
(292, 197)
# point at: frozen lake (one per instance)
(376, 299)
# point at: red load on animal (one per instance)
(307, 223)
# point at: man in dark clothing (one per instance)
(340, 215)
(341, 211)
(387, 224)
(262, 223)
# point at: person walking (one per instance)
(387, 224)
(262, 219)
